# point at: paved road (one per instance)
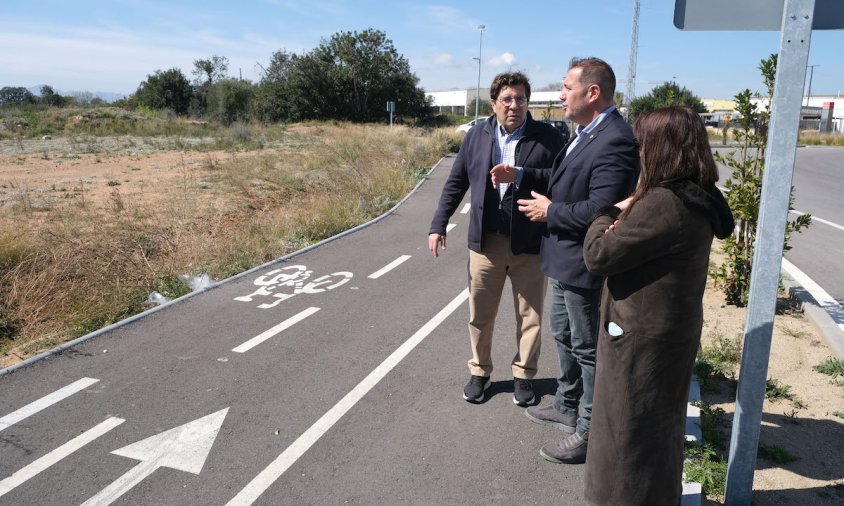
(330, 385)
(819, 190)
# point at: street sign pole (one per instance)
(767, 258)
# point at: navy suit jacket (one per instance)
(537, 148)
(601, 170)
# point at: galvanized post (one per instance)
(776, 188)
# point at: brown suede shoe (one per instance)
(571, 450)
(548, 415)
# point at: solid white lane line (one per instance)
(58, 454)
(465, 209)
(263, 336)
(450, 227)
(390, 266)
(289, 456)
(45, 402)
(819, 220)
(826, 301)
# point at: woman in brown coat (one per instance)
(654, 250)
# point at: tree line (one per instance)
(349, 77)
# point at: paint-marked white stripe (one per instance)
(819, 220)
(45, 402)
(450, 227)
(826, 301)
(465, 209)
(58, 454)
(289, 456)
(263, 336)
(795, 211)
(390, 266)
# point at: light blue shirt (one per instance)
(582, 131)
(505, 150)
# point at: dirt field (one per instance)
(35, 174)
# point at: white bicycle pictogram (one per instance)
(293, 276)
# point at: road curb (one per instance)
(821, 319)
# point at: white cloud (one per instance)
(444, 60)
(503, 60)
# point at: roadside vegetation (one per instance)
(240, 195)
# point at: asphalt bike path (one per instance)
(330, 377)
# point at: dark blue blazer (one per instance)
(601, 170)
(537, 148)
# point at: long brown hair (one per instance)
(673, 146)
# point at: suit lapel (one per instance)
(578, 149)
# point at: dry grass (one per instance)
(77, 263)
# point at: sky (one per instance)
(113, 45)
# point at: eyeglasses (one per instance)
(508, 101)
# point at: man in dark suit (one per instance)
(502, 243)
(599, 168)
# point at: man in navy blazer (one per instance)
(598, 168)
(503, 243)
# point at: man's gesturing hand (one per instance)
(536, 209)
(503, 173)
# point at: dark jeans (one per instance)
(574, 326)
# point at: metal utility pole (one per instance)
(811, 73)
(478, 89)
(631, 63)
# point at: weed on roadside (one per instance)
(705, 462)
(706, 466)
(774, 390)
(775, 454)
(717, 362)
(831, 367)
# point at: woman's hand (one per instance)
(624, 204)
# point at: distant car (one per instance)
(465, 127)
(561, 126)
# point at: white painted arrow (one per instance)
(183, 448)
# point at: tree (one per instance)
(668, 93)
(228, 100)
(271, 101)
(210, 71)
(352, 76)
(206, 72)
(167, 89)
(18, 95)
(83, 98)
(50, 98)
(485, 108)
(744, 189)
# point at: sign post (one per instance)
(767, 255)
(391, 108)
(796, 19)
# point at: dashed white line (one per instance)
(288, 457)
(263, 336)
(45, 402)
(450, 226)
(39, 465)
(465, 209)
(390, 266)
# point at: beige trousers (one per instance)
(487, 274)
